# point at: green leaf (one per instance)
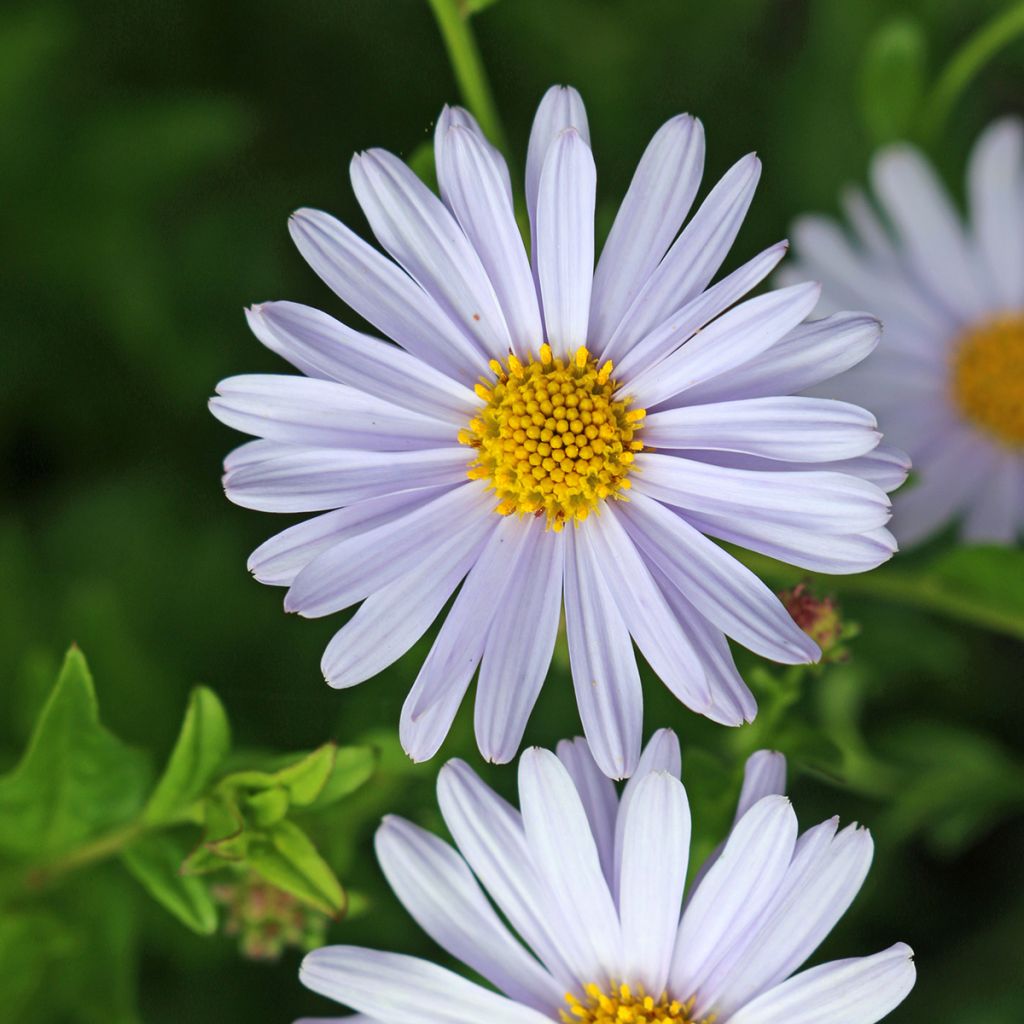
(268, 806)
(290, 861)
(29, 944)
(200, 748)
(156, 861)
(303, 778)
(75, 779)
(893, 80)
(470, 7)
(353, 767)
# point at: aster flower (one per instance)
(632, 403)
(947, 380)
(593, 885)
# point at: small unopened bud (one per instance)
(268, 920)
(820, 619)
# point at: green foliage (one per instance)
(893, 80)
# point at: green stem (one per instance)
(966, 63)
(468, 67)
(96, 850)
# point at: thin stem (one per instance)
(966, 63)
(468, 67)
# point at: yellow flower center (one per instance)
(988, 377)
(622, 1004)
(551, 437)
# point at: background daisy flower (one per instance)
(593, 884)
(947, 381)
(632, 403)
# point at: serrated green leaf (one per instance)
(156, 861)
(289, 860)
(199, 750)
(893, 80)
(75, 779)
(353, 767)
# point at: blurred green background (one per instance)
(151, 154)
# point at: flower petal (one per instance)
(459, 117)
(659, 197)
(654, 857)
(861, 990)
(565, 240)
(439, 890)
(598, 796)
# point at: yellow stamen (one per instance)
(628, 1004)
(552, 437)
(988, 377)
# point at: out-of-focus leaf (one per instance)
(156, 860)
(75, 779)
(268, 806)
(200, 748)
(893, 80)
(469, 7)
(29, 943)
(303, 778)
(289, 860)
(353, 767)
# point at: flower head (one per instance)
(947, 380)
(547, 434)
(592, 882)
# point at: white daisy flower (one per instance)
(634, 403)
(591, 887)
(947, 380)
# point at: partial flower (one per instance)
(553, 435)
(947, 380)
(591, 885)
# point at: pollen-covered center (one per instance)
(988, 377)
(551, 437)
(623, 1004)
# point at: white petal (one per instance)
(654, 858)
(924, 217)
(797, 429)
(323, 414)
(460, 117)
(604, 670)
(439, 890)
(832, 503)
(393, 618)
(997, 515)
(697, 314)
(995, 185)
(721, 589)
(489, 834)
(694, 258)
(474, 190)
(320, 346)
(730, 341)
(278, 561)
(565, 240)
(819, 887)
(809, 354)
(861, 990)
(645, 611)
(416, 228)
(406, 990)
(561, 108)
(382, 293)
(517, 655)
(352, 570)
(598, 796)
(448, 669)
(733, 893)
(653, 210)
(314, 479)
(565, 856)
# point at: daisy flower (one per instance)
(947, 380)
(591, 886)
(553, 435)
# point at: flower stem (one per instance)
(468, 67)
(966, 63)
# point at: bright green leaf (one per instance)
(268, 806)
(75, 779)
(303, 775)
(201, 746)
(353, 767)
(893, 80)
(156, 861)
(469, 7)
(290, 861)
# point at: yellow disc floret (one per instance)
(551, 436)
(623, 1004)
(988, 377)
